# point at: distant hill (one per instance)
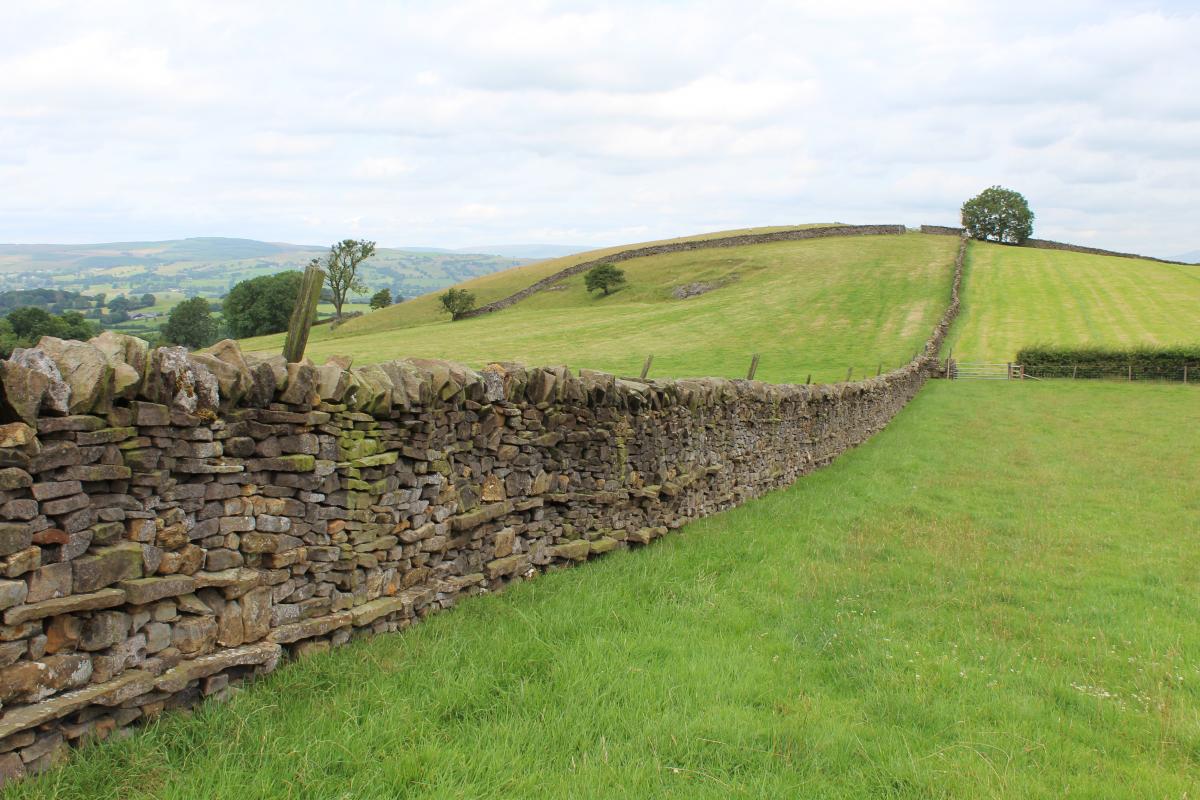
(1191, 258)
(210, 266)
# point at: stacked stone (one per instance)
(173, 522)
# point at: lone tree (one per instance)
(458, 302)
(191, 324)
(341, 269)
(261, 305)
(604, 277)
(381, 299)
(998, 215)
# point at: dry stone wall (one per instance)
(789, 235)
(172, 523)
(1047, 244)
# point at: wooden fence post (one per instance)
(808, 380)
(753, 367)
(304, 313)
(1185, 373)
(1131, 373)
(879, 370)
(849, 372)
(1010, 371)
(1074, 371)
(646, 366)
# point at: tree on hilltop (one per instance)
(604, 277)
(457, 302)
(998, 215)
(381, 299)
(341, 269)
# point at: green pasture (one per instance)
(1017, 297)
(998, 596)
(819, 308)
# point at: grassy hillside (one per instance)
(995, 597)
(818, 307)
(1014, 297)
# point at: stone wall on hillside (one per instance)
(1047, 244)
(172, 523)
(789, 235)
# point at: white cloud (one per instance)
(592, 122)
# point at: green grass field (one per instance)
(809, 307)
(1016, 297)
(998, 596)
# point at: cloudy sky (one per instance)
(459, 123)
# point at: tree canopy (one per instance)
(457, 302)
(604, 277)
(190, 324)
(341, 269)
(998, 215)
(262, 305)
(381, 299)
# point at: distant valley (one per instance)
(210, 266)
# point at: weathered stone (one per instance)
(150, 414)
(104, 629)
(576, 551)
(51, 490)
(256, 542)
(29, 681)
(180, 383)
(507, 566)
(603, 544)
(12, 593)
(20, 719)
(14, 536)
(24, 390)
(84, 369)
(105, 598)
(174, 680)
(318, 626)
(18, 436)
(50, 581)
(56, 394)
(369, 612)
(21, 562)
(301, 387)
(63, 632)
(141, 591)
(194, 634)
(107, 566)
(22, 509)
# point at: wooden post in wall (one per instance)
(849, 372)
(808, 380)
(304, 313)
(646, 366)
(753, 367)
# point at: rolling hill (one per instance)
(1015, 297)
(816, 307)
